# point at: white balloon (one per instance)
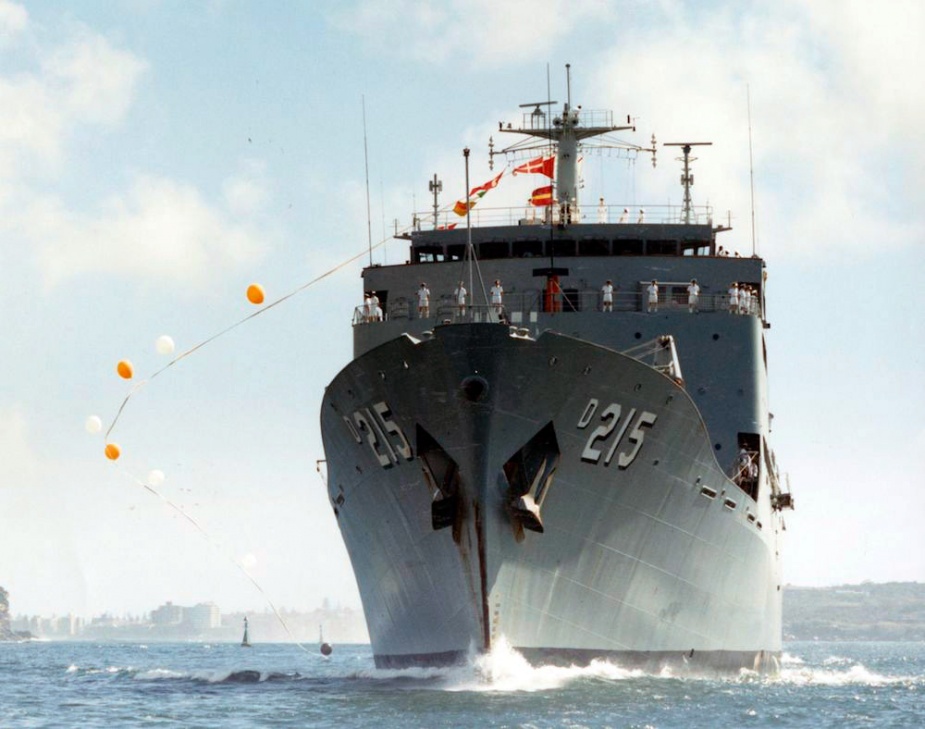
(93, 424)
(156, 477)
(248, 560)
(164, 344)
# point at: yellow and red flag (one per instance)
(461, 207)
(541, 196)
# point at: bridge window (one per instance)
(528, 248)
(595, 247)
(564, 247)
(456, 252)
(627, 247)
(494, 249)
(429, 254)
(662, 248)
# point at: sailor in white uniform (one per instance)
(423, 301)
(693, 296)
(607, 296)
(733, 298)
(459, 295)
(652, 291)
(497, 292)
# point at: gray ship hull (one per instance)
(551, 493)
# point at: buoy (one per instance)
(124, 368)
(326, 648)
(93, 424)
(164, 344)
(156, 477)
(111, 451)
(255, 294)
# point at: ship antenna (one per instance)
(436, 187)
(751, 166)
(687, 178)
(568, 84)
(369, 228)
(470, 251)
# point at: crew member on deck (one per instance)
(459, 296)
(423, 301)
(693, 295)
(733, 298)
(652, 290)
(497, 292)
(607, 296)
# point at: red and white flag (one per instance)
(539, 166)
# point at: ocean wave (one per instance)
(502, 669)
(853, 674)
(212, 676)
(216, 676)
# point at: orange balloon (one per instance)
(255, 294)
(112, 451)
(124, 368)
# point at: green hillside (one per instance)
(885, 611)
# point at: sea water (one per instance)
(89, 685)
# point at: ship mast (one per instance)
(687, 177)
(566, 131)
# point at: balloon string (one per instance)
(224, 331)
(182, 512)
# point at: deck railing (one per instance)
(552, 214)
(523, 307)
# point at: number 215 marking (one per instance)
(609, 419)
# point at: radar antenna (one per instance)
(436, 187)
(687, 177)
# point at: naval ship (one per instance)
(579, 472)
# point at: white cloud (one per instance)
(13, 19)
(160, 229)
(93, 81)
(824, 154)
(30, 126)
(484, 32)
(246, 193)
(19, 463)
(84, 80)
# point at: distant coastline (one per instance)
(891, 611)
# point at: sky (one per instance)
(157, 157)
